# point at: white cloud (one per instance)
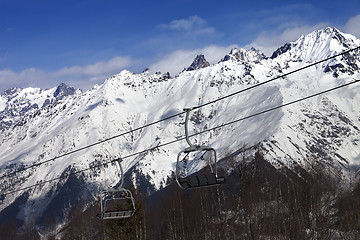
(27, 77)
(99, 68)
(176, 61)
(268, 41)
(193, 24)
(353, 26)
(82, 77)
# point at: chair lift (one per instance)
(117, 203)
(199, 180)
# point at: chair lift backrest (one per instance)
(124, 195)
(195, 181)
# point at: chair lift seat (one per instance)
(114, 213)
(118, 214)
(195, 181)
(203, 180)
(118, 195)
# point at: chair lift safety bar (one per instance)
(199, 180)
(117, 203)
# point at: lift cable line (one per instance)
(178, 114)
(88, 146)
(184, 138)
(275, 78)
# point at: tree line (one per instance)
(258, 201)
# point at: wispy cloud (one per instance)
(85, 77)
(177, 57)
(95, 69)
(268, 41)
(353, 26)
(193, 24)
(283, 24)
(176, 61)
(82, 77)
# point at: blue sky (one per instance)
(81, 43)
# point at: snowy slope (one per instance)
(38, 125)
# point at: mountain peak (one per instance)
(10, 91)
(252, 55)
(326, 33)
(317, 45)
(199, 62)
(63, 90)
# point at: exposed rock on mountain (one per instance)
(252, 55)
(199, 62)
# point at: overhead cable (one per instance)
(23, 168)
(183, 138)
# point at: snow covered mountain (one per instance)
(39, 125)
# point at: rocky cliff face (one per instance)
(199, 62)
